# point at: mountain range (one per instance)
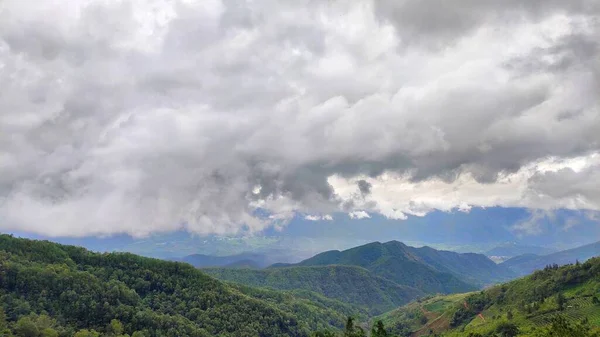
(426, 268)
(507, 250)
(376, 276)
(246, 260)
(526, 264)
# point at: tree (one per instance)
(353, 331)
(25, 327)
(2, 319)
(595, 300)
(561, 301)
(349, 330)
(506, 329)
(323, 333)
(115, 327)
(359, 332)
(86, 333)
(378, 330)
(49, 332)
(4, 331)
(44, 321)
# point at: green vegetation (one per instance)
(47, 289)
(555, 301)
(348, 284)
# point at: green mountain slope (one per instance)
(430, 270)
(526, 264)
(79, 289)
(349, 284)
(553, 298)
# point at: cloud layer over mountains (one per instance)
(142, 116)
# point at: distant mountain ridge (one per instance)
(253, 260)
(526, 264)
(513, 249)
(412, 266)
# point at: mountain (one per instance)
(45, 285)
(245, 259)
(174, 245)
(246, 264)
(433, 271)
(525, 264)
(555, 301)
(349, 284)
(472, 268)
(507, 250)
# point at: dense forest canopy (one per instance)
(49, 289)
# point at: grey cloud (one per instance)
(364, 187)
(110, 125)
(582, 189)
(438, 23)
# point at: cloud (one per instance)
(575, 188)
(146, 116)
(535, 224)
(545, 186)
(326, 217)
(443, 23)
(364, 187)
(554, 222)
(359, 215)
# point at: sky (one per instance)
(225, 117)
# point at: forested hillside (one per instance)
(47, 289)
(555, 301)
(349, 284)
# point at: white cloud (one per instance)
(325, 217)
(147, 116)
(395, 195)
(359, 215)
